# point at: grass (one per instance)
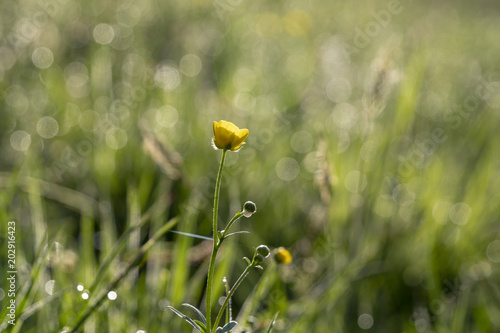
(372, 156)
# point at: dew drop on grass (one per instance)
(80, 287)
(112, 295)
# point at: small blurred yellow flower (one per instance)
(282, 256)
(228, 136)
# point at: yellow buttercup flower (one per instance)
(228, 136)
(282, 256)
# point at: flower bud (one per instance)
(263, 251)
(282, 256)
(258, 258)
(249, 208)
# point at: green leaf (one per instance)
(272, 322)
(186, 318)
(202, 326)
(202, 317)
(236, 233)
(227, 328)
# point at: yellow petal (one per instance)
(241, 136)
(228, 136)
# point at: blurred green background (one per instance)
(372, 156)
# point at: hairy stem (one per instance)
(230, 294)
(211, 267)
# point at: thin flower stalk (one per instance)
(216, 245)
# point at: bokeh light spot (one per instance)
(103, 33)
(302, 142)
(124, 37)
(20, 140)
(355, 182)
(76, 75)
(287, 169)
(244, 102)
(365, 321)
(190, 65)
(116, 138)
(89, 121)
(167, 77)
(244, 79)
(338, 90)
(167, 116)
(47, 127)
(460, 213)
(42, 57)
(493, 251)
(403, 195)
(344, 116)
(112, 295)
(385, 206)
(17, 100)
(440, 211)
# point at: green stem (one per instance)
(234, 219)
(230, 294)
(216, 245)
(228, 312)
